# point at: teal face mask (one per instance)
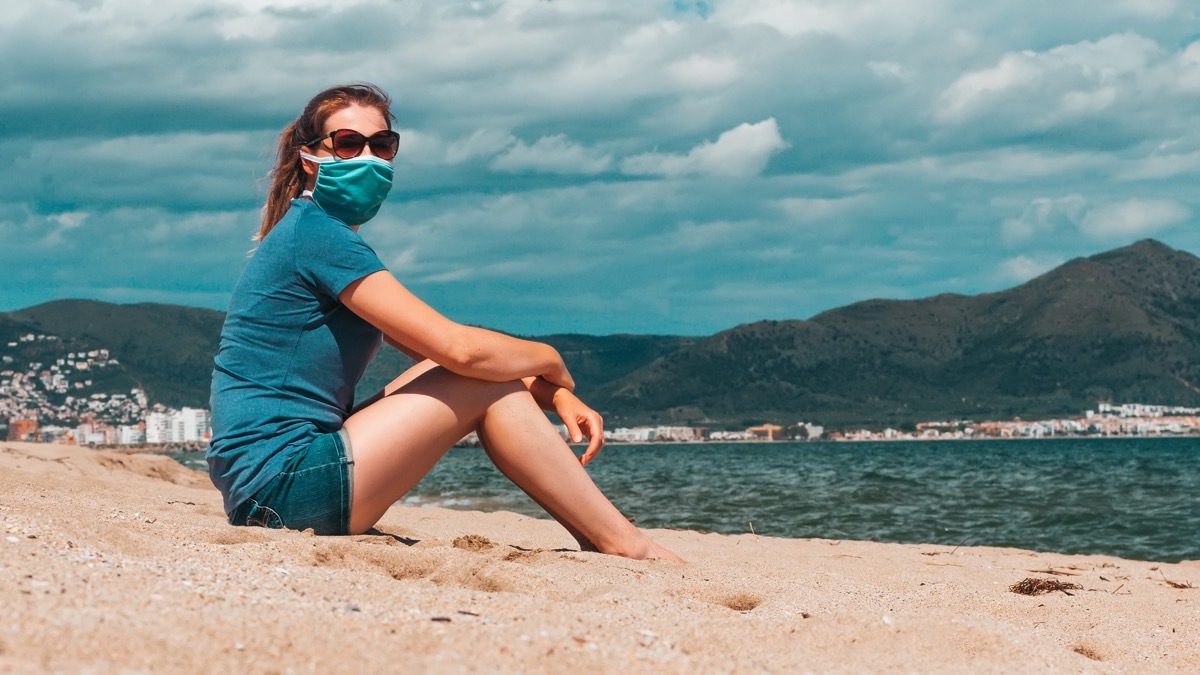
(351, 190)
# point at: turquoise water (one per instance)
(1134, 498)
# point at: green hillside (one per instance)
(1122, 326)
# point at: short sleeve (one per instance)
(330, 255)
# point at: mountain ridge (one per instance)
(1119, 325)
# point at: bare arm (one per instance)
(407, 351)
(419, 330)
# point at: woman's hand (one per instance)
(581, 421)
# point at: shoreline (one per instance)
(165, 450)
(883, 440)
(118, 562)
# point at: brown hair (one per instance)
(287, 178)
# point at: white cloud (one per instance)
(1133, 218)
(481, 143)
(1042, 217)
(64, 222)
(1023, 268)
(419, 148)
(1148, 9)
(1187, 63)
(703, 72)
(69, 220)
(970, 90)
(985, 165)
(888, 70)
(811, 209)
(864, 20)
(1161, 165)
(742, 151)
(551, 154)
(1068, 81)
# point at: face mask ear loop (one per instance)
(316, 160)
(333, 159)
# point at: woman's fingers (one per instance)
(595, 434)
(573, 429)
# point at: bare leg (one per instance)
(399, 438)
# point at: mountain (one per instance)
(1122, 325)
(166, 350)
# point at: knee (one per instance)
(507, 388)
(491, 389)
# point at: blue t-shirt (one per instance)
(290, 353)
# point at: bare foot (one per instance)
(659, 553)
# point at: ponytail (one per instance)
(288, 178)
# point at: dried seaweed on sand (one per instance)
(1037, 586)
(1176, 584)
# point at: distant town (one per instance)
(47, 402)
(1112, 420)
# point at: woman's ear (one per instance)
(308, 167)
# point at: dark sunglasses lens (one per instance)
(347, 143)
(385, 144)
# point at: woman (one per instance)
(289, 447)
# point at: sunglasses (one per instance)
(348, 143)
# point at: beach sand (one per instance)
(118, 562)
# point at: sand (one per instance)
(124, 563)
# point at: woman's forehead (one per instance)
(363, 120)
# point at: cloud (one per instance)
(1165, 163)
(1043, 216)
(551, 154)
(481, 143)
(742, 151)
(65, 221)
(888, 69)
(1149, 9)
(583, 166)
(1134, 218)
(1065, 82)
(813, 209)
(1022, 268)
(864, 20)
(699, 72)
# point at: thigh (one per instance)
(407, 376)
(398, 438)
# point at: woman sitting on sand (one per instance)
(290, 448)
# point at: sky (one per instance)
(619, 166)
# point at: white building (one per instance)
(197, 425)
(157, 426)
(178, 426)
(130, 435)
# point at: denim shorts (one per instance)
(313, 491)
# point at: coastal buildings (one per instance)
(187, 425)
(686, 434)
(51, 393)
(677, 434)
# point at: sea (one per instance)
(1135, 498)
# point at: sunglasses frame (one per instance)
(388, 137)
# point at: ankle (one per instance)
(636, 547)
